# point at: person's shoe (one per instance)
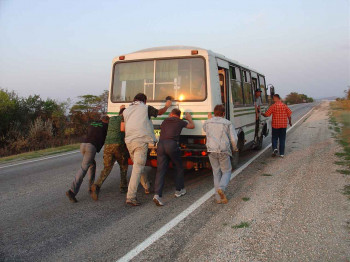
(95, 190)
(281, 156)
(133, 202)
(218, 201)
(158, 200)
(275, 151)
(123, 190)
(180, 193)
(222, 196)
(71, 196)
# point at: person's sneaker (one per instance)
(281, 156)
(71, 196)
(275, 151)
(158, 200)
(94, 192)
(218, 201)
(180, 193)
(133, 202)
(222, 196)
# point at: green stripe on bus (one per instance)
(249, 131)
(243, 110)
(251, 113)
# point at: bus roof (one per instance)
(172, 48)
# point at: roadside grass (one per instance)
(40, 153)
(346, 191)
(340, 121)
(241, 225)
(343, 171)
(266, 175)
(245, 199)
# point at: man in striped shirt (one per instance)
(280, 114)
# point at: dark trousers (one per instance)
(279, 134)
(168, 150)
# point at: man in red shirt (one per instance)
(280, 113)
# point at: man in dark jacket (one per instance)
(93, 143)
(168, 150)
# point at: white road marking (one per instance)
(40, 159)
(171, 224)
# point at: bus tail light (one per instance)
(194, 52)
(204, 153)
(187, 153)
(122, 57)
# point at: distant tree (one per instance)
(295, 98)
(347, 93)
(104, 101)
(87, 109)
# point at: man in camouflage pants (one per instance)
(115, 150)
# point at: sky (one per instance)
(62, 49)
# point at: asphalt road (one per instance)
(38, 223)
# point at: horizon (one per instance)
(65, 49)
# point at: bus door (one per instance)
(224, 90)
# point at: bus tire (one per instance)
(234, 160)
(240, 143)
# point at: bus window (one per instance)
(263, 89)
(184, 79)
(236, 88)
(247, 88)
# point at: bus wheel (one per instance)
(234, 160)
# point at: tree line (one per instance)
(296, 98)
(32, 123)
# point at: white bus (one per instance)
(197, 79)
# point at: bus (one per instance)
(197, 79)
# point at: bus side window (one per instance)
(263, 89)
(247, 88)
(236, 88)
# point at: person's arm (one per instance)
(190, 124)
(268, 112)
(257, 110)
(122, 127)
(210, 116)
(233, 137)
(165, 108)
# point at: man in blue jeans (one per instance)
(91, 145)
(168, 150)
(280, 113)
(221, 135)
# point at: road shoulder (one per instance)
(294, 208)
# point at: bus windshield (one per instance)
(182, 78)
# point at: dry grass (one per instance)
(40, 153)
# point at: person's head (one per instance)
(141, 97)
(105, 119)
(276, 98)
(258, 92)
(219, 111)
(175, 113)
(121, 110)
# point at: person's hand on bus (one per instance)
(210, 116)
(168, 103)
(121, 107)
(188, 116)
